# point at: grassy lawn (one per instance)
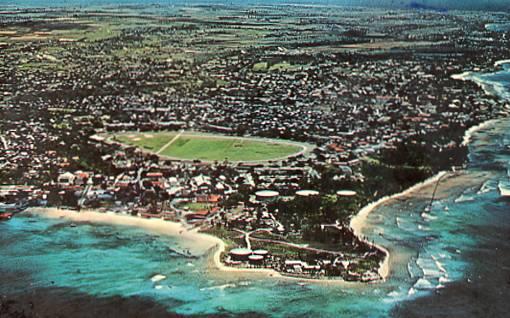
(197, 147)
(285, 67)
(207, 148)
(152, 141)
(196, 206)
(259, 67)
(278, 67)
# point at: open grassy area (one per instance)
(195, 206)
(208, 147)
(148, 141)
(278, 67)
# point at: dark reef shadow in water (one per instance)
(65, 302)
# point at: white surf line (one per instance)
(170, 142)
(358, 221)
(502, 62)
(468, 135)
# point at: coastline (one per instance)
(193, 241)
(488, 88)
(470, 76)
(202, 243)
(468, 135)
(197, 243)
(355, 228)
(462, 77)
(358, 222)
(501, 62)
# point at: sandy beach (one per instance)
(222, 271)
(189, 239)
(488, 88)
(216, 264)
(197, 243)
(448, 181)
(470, 76)
(469, 133)
(358, 222)
(461, 77)
(425, 189)
(502, 62)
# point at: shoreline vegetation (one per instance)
(358, 221)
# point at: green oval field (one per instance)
(209, 147)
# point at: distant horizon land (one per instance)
(433, 5)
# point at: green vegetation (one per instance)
(151, 140)
(307, 214)
(284, 67)
(261, 66)
(231, 239)
(195, 206)
(279, 250)
(276, 67)
(208, 147)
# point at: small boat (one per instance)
(72, 225)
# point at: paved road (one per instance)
(170, 142)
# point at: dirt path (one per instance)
(170, 142)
